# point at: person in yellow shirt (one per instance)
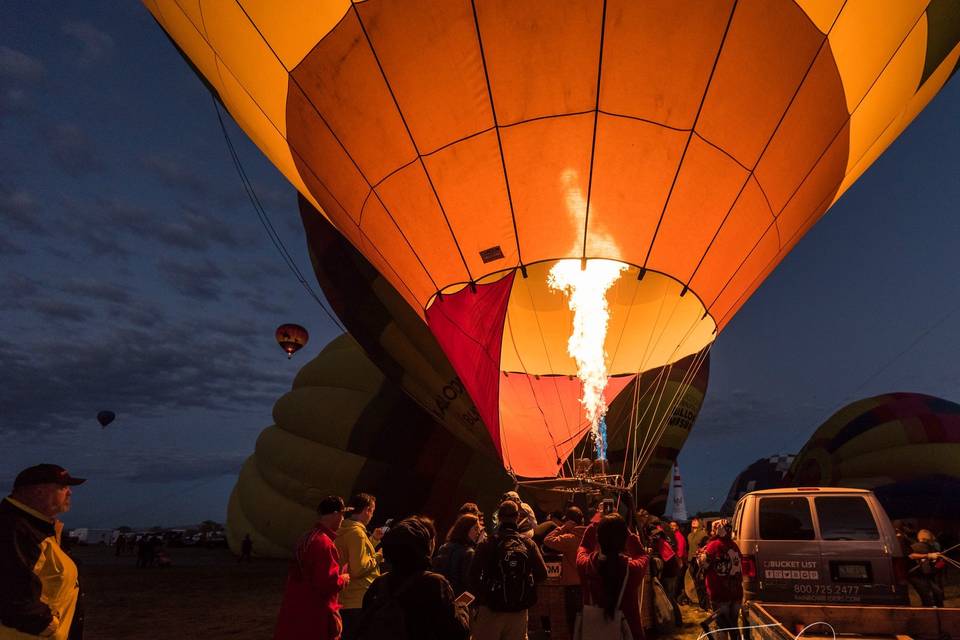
(39, 589)
(358, 552)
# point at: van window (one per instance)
(737, 517)
(785, 519)
(845, 518)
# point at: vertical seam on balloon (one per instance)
(333, 133)
(683, 155)
(810, 171)
(219, 60)
(496, 126)
(766, 199)
(596, 121)
(752, 170)
(416, 147)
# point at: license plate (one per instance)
(852, 572)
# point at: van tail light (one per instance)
(901, 569)
(748, 564)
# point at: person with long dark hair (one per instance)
(454, 556)
(612, 565)
(410, 601)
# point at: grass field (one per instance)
(207, 595)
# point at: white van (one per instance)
(824, 544)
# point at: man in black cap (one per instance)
(39, 591)
(309, 608)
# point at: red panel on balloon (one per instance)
(542, 420)
(469, 327)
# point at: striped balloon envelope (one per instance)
(903, 446)
(467, 146)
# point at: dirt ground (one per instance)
(207, 595)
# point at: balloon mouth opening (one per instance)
(652, 322)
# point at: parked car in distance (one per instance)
(819, 544)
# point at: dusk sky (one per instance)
(136, 277)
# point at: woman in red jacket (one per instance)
(602, 570)
(309, 608)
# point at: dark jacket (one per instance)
(32, 565)
(426, 599)
(453, 561)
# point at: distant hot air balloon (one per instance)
(903, 446)
(105, 418)
(291, 338)
(469, 148)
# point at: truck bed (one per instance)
(786, 621)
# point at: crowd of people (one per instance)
(481, 580)
(347, 582)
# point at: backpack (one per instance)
(507, 578)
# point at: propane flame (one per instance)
(586, 289)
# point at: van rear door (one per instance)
(855, 561)
(788, 553)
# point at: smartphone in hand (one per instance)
(466, 599)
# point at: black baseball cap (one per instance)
(332, 504)
(45, 474)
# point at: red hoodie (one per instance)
(309, 608)
(588, 565)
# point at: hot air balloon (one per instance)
(345, 428)
(105, 418)
(903, 446)
(291, 338)
(646, 433)
(474, 150)
(765, 473)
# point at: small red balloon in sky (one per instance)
(291, 338)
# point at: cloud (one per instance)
(185, 467)
(96, 290)
(19, 209)
(141, 315)
(20, 67)
(56, 381)
(10, 248)
(94, 44)
(199, 280)
(188, 228)
(18, 72)
(62, 310)
(176, 172)
(16, 285)
(71, 149)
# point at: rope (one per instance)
(265, 220)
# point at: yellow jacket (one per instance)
(357, 552)
(39, 580)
